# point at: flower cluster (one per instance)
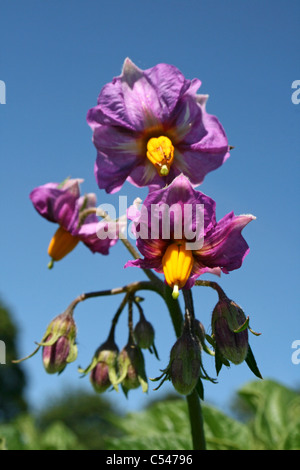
(151, 128)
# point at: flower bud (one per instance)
(58, 343)
(144, 333)
(199, 331)
(103, 374)
(55, 356)
(227, 318)
(185, 362)
(132, 367)
(99, 377)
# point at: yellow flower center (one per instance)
(61, 244)
(160, 152)
(177, 266)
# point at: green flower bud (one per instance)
(185, 362)
(227, 318)
(198, 330)
(144, 333)
(132, 367)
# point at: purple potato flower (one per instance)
(175, 241)
(150, 125)
(62, 204)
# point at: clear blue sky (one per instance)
(55, 57)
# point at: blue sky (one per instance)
(55, 57)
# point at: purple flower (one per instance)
(150, 125)
(177, 233)
(62, 204)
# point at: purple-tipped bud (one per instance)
(103, 374)
(144, 334)
(185, 363)
(58, 343)
(99, 377)
(55, 356)
(227, 318)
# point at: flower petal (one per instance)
(97, 235)
(56, 202)
(118, 157)
(225, 246)
(139, 99)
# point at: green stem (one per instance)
(196, 421)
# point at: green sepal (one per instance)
(73, 353)
(63, 182)
(152, 350)
(203, 375)
(143, 383)
(112, 374)
(243, 327)
(210, 340)
(51, 341)
(200, 389)
(251, 362)
(254, 332)
(125, 390)
(89, 367)
(123, 369)
(220, 361)
(165, 377)
(207, 350)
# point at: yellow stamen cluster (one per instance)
(61, 244)
(177, 265)
(160, 152)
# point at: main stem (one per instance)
(196, 421)
(193, 400)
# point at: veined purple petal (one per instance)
(139, 99)
(118, 157)
(56, 202)
(176, 200)
(145, 264)
(197, 163)
(225, 246)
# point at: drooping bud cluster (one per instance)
(59, 346)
